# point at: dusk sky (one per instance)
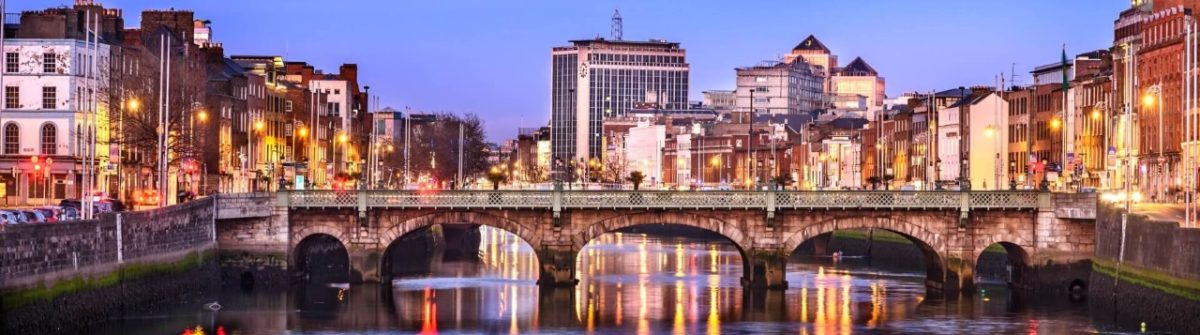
(492, 58)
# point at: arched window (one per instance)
(49, 139)
(12, 139)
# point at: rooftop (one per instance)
(652, 42)
(811, 43)
(858, 67)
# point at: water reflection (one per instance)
(629, 284)
(497, 294)
(681, 286)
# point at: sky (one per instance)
(492, 58)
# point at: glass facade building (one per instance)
(595, 79)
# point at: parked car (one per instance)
(68, 213)
(21, 216)
(8, 217)
(34, 216)
(50, 213)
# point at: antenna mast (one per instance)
(618, 25)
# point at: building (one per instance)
(644, 150)
(859, 79)
(597, 78)
(779, 88)
(1160, 82)
(813, 52)
(52, 77)
(986, 149)
(722, 101)
(1092, 89)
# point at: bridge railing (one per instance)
(512, 199)
(664, 199)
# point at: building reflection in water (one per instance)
(498, 292)
(643, 284)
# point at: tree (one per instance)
(781, 180)
(887, 180)
(433, 147)
(874, 181)
(636, 177)
(496, 177)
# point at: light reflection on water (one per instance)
(629, 284)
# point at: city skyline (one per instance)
(430, 76)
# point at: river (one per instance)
(629, 284)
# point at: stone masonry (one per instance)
(1058, 233)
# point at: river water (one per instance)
(629, 284)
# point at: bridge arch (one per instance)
(727, 229)
(930, 243)
(408, 225)
(297, 255)
(321, 257)
(1019, 261)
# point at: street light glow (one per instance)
(258, 125)
(202, 115)
(134, 104)
(1148, 100)
(1095, 114)
(1055, 123)
(343, 138)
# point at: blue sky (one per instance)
(492, 58)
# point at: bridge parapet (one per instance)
(764, 200)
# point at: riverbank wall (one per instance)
(62, 277)
(1156, 282)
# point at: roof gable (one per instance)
(859, 67)
(811, 44)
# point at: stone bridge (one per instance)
(1049, 237)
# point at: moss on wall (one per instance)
(130, 271)
(1149, 278)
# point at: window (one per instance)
(49, 97)
(287, 106)
(760, 79)
(12, 97)
(49, 139)
(10, 63)
(49, 63)
(12, 139)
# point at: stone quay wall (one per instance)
(60, 276)
(1160, 271)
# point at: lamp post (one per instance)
(258, 128)
(749, 139)
(1152, 97)
(202, 116)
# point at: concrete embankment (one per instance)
(64, 277)
(1157, 282)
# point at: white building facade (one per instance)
(644, 151)
(47, 85)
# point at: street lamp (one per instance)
(1152, 97)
